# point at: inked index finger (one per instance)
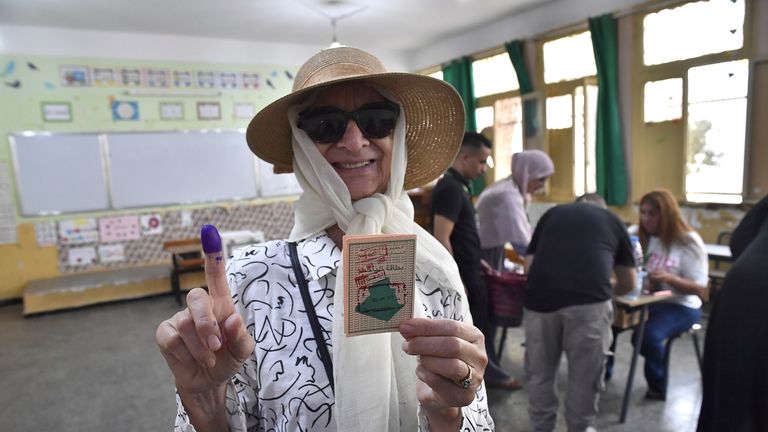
(215, 273)
(416, 327)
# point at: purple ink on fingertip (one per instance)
(210, 238)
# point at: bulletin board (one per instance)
(156, 169)
(58, 173)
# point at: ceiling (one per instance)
(397, 25)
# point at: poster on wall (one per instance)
(250, 80)
(206, 79)
(82, 256)
(131, 77)
(151, 224)
(119, 228)
(171, 111)
(57, 111)
(103, 76)
(46, 234)
(125, 110)
(228, 80)
(244, 110)
(78, 231)
(111, 253)
(182, 78)
(208, 111)
(74, 76)
(157, 78)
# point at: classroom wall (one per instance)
(141, 46)
(29, 80)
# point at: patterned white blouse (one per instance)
(283, 385)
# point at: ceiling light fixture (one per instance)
(334, 18)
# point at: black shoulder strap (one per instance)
(322, 347)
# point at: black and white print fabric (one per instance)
(283, 385)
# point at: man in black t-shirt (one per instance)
(454, 225)
(574, 251)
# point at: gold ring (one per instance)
(467, 380)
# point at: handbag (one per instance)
(505, 292)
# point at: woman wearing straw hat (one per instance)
(249, 355)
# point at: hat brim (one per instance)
(434, 115)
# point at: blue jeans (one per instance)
(664, 320)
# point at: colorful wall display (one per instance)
(78, 231)
(119, 228)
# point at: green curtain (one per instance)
(459, 74)
(531, 122)
(515, 52)
(610, 163)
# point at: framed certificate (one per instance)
(208, 111)
(244, 110)
(171, 111)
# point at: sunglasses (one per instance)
(326, 125)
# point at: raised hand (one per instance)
(452, 362)
(206, 343)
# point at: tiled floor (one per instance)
(98, 369)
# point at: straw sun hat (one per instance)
(434, 112)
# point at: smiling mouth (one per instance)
(352, 165)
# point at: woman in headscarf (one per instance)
(501, 208)
(265, 349)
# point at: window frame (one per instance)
(679, 69)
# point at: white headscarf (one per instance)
(375, 381)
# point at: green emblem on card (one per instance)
(381, 302)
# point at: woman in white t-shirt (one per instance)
(677, 261)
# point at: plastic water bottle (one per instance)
(637, 253)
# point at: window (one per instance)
(663, 100)
(569, 58)
(717, 109)
(508, 134)
(584, 140)
(693, 30)
(560, 112)
(437, 74)
(493, 75)
(578, 111)
(695, 81)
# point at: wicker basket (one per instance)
(505, 292)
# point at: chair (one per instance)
(717, 274)
(186, 257)
(505, 292)
(693, 331)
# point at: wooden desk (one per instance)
(186, 257)
(641, 303)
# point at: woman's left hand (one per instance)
(661, 276)
(451, 354)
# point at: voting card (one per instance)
(378, 282)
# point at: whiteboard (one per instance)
(273, 185)
(59, 173)
(155, 169)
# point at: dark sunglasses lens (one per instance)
(376, 122)
(325, 127)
